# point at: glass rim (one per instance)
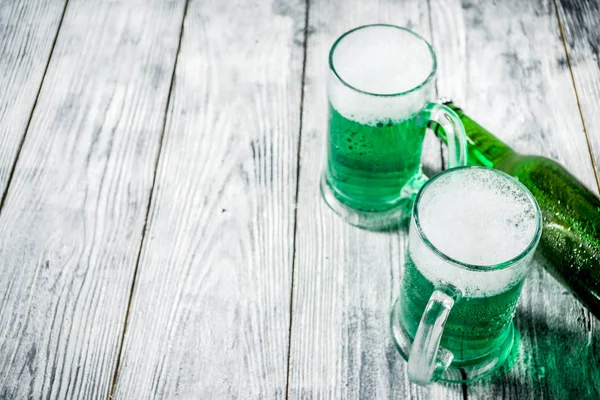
(414, 89)
(480, 267)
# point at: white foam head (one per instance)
(480, 217)
(477, 216)
(380, 60)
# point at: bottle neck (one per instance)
(483, 148)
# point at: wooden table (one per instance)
(161, 230)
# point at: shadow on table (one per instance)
(554, 362)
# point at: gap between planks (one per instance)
(299, 144)
(585, 132)
(587, 138)
(148, 207)
(37, 95)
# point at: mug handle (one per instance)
(427, 361)
(457, 148)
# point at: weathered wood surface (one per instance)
(27, 33)
(238, 294)
(345, 278)
(581, 28)
(71, 226)
(211, 305)
(504, 62)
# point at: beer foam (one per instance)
(480, 217)
(380, 60)
(477, 216)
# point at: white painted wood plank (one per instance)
(27, 32)
(581, 28)
(71, 227)
(345, 278)
(504, 62)
(210, 312)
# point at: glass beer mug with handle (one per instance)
(472, 236)
(380, 86)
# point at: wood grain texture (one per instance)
(71, 227)
(581, 27)
(345, 278)
(504, 63)
(212, 296)
(27, 32)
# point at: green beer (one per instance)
(471, 240)
(570, 245)
(379, 91)
(475, 327)
(369, 162)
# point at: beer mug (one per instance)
(472, 235)
(380, 85)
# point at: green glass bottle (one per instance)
(570, 245)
